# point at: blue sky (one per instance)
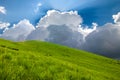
(91, 10)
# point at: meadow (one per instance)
(37, 60)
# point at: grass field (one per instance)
(35, 60)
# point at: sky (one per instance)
(91, 11)
(90, 25)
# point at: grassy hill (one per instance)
(35, 60)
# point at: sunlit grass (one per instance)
(34, 60)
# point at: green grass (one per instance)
(35, 60)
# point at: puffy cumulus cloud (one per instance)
(117, 18)
(105, 40)
(40, 33)
(62, 34)
(59, 27)
(53, 17)
(86, 30)
(19, 31)
(2, 10)
(4, 25)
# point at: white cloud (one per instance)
(117, 18)
(39, 4)
(60, 28)
(2, 10)
(62, 34)
(37, 7)
(4, 25)
(86, 30)
(105, 40)
(40, 33)
(53, 17)
(19, 31)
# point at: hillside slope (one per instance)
(35, 60)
